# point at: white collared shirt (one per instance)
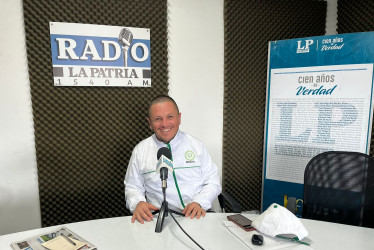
(195, 173)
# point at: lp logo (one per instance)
(304, 49)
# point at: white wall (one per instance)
(19, 197)
(196, 45)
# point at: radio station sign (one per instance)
(100, 55)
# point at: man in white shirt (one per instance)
(194, 182)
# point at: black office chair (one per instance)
(233, 205)
(339, 187)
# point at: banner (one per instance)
(319, 98)
(100, 55)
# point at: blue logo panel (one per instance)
(99, 51)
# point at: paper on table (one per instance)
(246, 237)
(60, 243)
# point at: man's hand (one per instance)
(143, 212)
(193, 209)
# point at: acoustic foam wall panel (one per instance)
(356, 16)
(84, 136)
(249, 26)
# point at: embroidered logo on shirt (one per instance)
(190, 156)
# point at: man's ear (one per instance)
(149, 123)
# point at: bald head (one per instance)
(161, 99)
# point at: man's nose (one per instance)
(163, 122)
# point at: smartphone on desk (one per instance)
(241, 221)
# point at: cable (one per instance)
(185, 231)
(170, 210)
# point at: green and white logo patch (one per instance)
(189, 155)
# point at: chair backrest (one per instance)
(339, 187)
(233, 204)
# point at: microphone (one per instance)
(164, 164)
(125, 38)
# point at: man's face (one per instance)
(164, 120)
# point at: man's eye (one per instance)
(157, 119)
(170, 117)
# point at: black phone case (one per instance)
(241, 221)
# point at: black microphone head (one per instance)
(164, 151)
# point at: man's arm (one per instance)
(134, 184)
(210, 190)
(134, 192)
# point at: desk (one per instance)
(120, 233)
